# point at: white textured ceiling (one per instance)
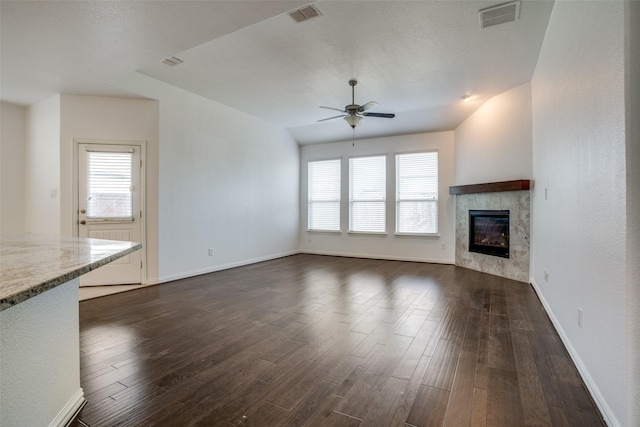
(416, 58)
(78, 47)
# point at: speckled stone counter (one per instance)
(31, 264)
(39, 325)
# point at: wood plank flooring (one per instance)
(312, 340)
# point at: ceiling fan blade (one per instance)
(368, 105)
(383, 115)
(330, 118)
(331, 108)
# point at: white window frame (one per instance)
(355, 199)
(314, 199)
(400, 200)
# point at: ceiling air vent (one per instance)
(172, 61)
(304, 13)
(494, 15)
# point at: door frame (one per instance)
(143, 187)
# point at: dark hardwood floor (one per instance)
(323, 341)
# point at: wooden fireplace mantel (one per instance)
(491, 187)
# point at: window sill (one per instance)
(419, 235)
(367, 233)
(324, 231)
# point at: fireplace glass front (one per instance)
(489, 232)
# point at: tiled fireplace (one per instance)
(502, 248)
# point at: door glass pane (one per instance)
(109, 185)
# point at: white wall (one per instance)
(429, 249)
(227, 181)
(579, 228)
(494, 143)
(111, 119)
(12, 143)
(40, 359)
(42, 168)
(632, 86)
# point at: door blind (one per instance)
(110, 185)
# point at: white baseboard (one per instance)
(192, 273)
(66, 414)
(592, 387)
(375, 256)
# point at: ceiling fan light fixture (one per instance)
(353, 120)
(353, 112)
(467, 98)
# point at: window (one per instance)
(367, 187)
(324, 195)
(110, 185)
(417, 193)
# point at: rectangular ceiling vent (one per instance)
(172, 61)
(304, 13)
(495, 15)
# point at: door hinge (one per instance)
(140, 214)
(140, 265)
(140, 162)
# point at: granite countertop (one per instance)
(33, 264)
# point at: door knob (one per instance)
(83, 222)
(82, 211)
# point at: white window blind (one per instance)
(367, 194)
(109, 185)
(417, 193)
(324, 195)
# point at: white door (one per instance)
(109, 206)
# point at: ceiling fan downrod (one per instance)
(353, 84)
(352, 118)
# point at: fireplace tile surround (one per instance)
(515, 267)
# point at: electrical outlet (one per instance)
(580, 316)
(546, 275)
(210, 252)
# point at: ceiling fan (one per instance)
(353, 112)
